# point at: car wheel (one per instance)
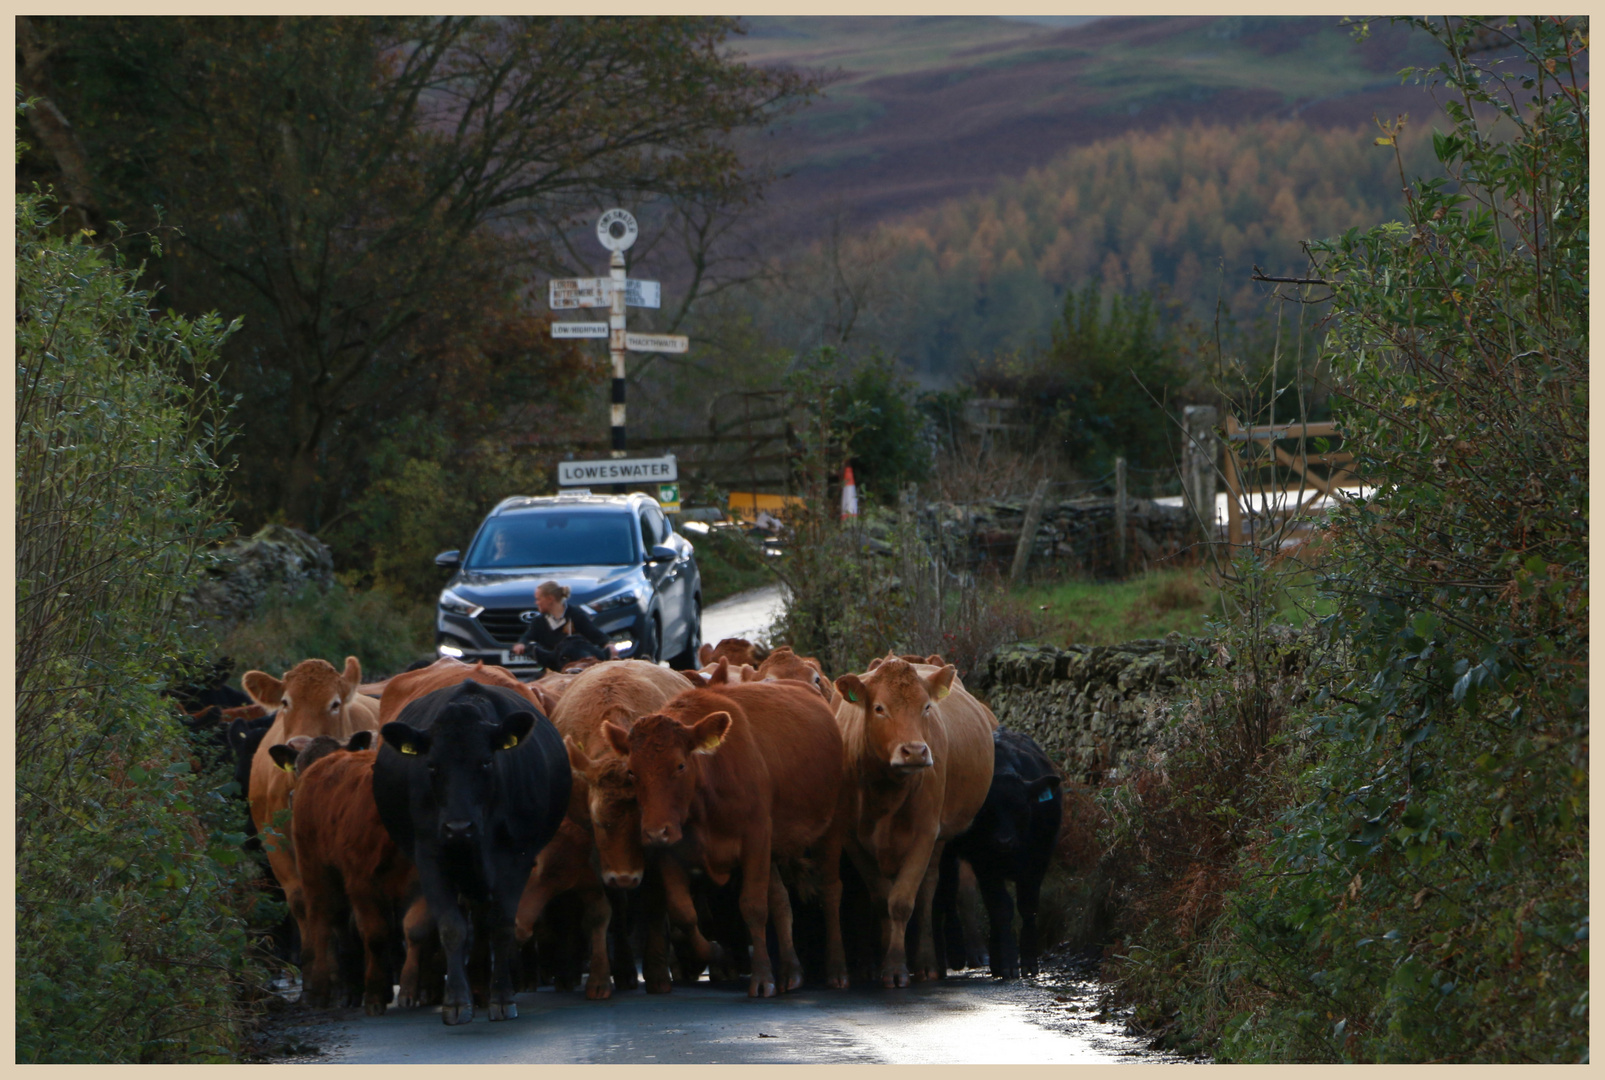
(687, 660)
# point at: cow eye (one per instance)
(880, 708)
(284, 702)
(334, 706)
(484, 766)
(629, 775)
(681, 768)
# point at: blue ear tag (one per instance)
(1046, 796)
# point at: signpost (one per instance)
(616, 230)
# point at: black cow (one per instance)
(1013, 836)
(472, 782)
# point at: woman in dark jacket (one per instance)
(561, 634)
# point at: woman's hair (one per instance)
(552, 588)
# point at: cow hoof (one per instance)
(456, 1014)
(761, 988)
(599, 989)
(658, 986)
(895, 979)
(836, 982)
(499, 1011)
(791, 982)
(374, 1008)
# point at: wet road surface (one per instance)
(967, 1019)
(744, 615)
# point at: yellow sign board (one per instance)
(745, 505)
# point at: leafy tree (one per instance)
(884, 431)
(374, 193)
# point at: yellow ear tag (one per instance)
(289, 767)
(408, 748)
(941, 693)
(512, 741)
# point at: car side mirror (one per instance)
(662, 553)
(449, 558)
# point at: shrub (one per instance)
(129, 934)
(383, 631)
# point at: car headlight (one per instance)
(450, 601)
(617, 600)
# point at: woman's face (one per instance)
(547, 604)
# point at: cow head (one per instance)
(1004, 821)
(785, 664)
(736, 650)
(615, 815)
(300, 751)
(899, 708)
(311, 698)
(459, 757)
(661, 755)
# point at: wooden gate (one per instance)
(1274, 512)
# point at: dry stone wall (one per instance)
(1091, 707)
(276, 558)
(1074, 535)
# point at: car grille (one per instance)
(503, 624)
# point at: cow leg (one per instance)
(790, 977)
(373, 926)
(597, 913)
(831, 895)
(1028, 891)
(1000, 920)
(898, 906)
(623, 907)
(501, 913)
(948, 932)
(755, 910)
(457, 1006)
(682, 911)
(925, 968)
(420, 977)
(318, 938)
(655, 964)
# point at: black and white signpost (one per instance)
(617, 230)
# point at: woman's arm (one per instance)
(585, 628)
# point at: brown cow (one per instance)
(783, 663)
(747, 775)
(348, 862)
(736, 650)
(918, 757)
(601, 808)
(312, 699)
(447, 671)
(721, 673)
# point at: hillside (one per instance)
(922, 110)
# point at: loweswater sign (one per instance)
(579, 330)
(658, 470)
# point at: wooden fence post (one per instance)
(1201, 454)
(1028, 533)
(1120, 517)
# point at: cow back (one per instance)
(447, 672)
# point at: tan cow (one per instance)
(736, 650)
(312, 699)
(783, 663)
(447, 671)
(602, 811)
(721, 673)
(917, 753)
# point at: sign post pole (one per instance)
(616, 348)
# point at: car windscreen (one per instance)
(554, 538)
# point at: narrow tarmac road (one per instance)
(967, 1019)
(744, 615)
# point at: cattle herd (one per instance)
(454, 835)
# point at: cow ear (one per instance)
(617, 738)
(284, 756)
(705, 655)
(264, 689)
(852, 688)
(721, 674)
(577, 759)
(1044, 788)
(935, 659)
(873, 664)
(709, 732)
(361, 740)
(404, 738)
(514, 729)
(352, 675)
(941, 682)
(694, 677)
(748, 673)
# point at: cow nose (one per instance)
(912, 755)
(457, 830)
(621, 881)
(665, 834)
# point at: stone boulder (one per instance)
(276, 559)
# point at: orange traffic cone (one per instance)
(849, 494)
